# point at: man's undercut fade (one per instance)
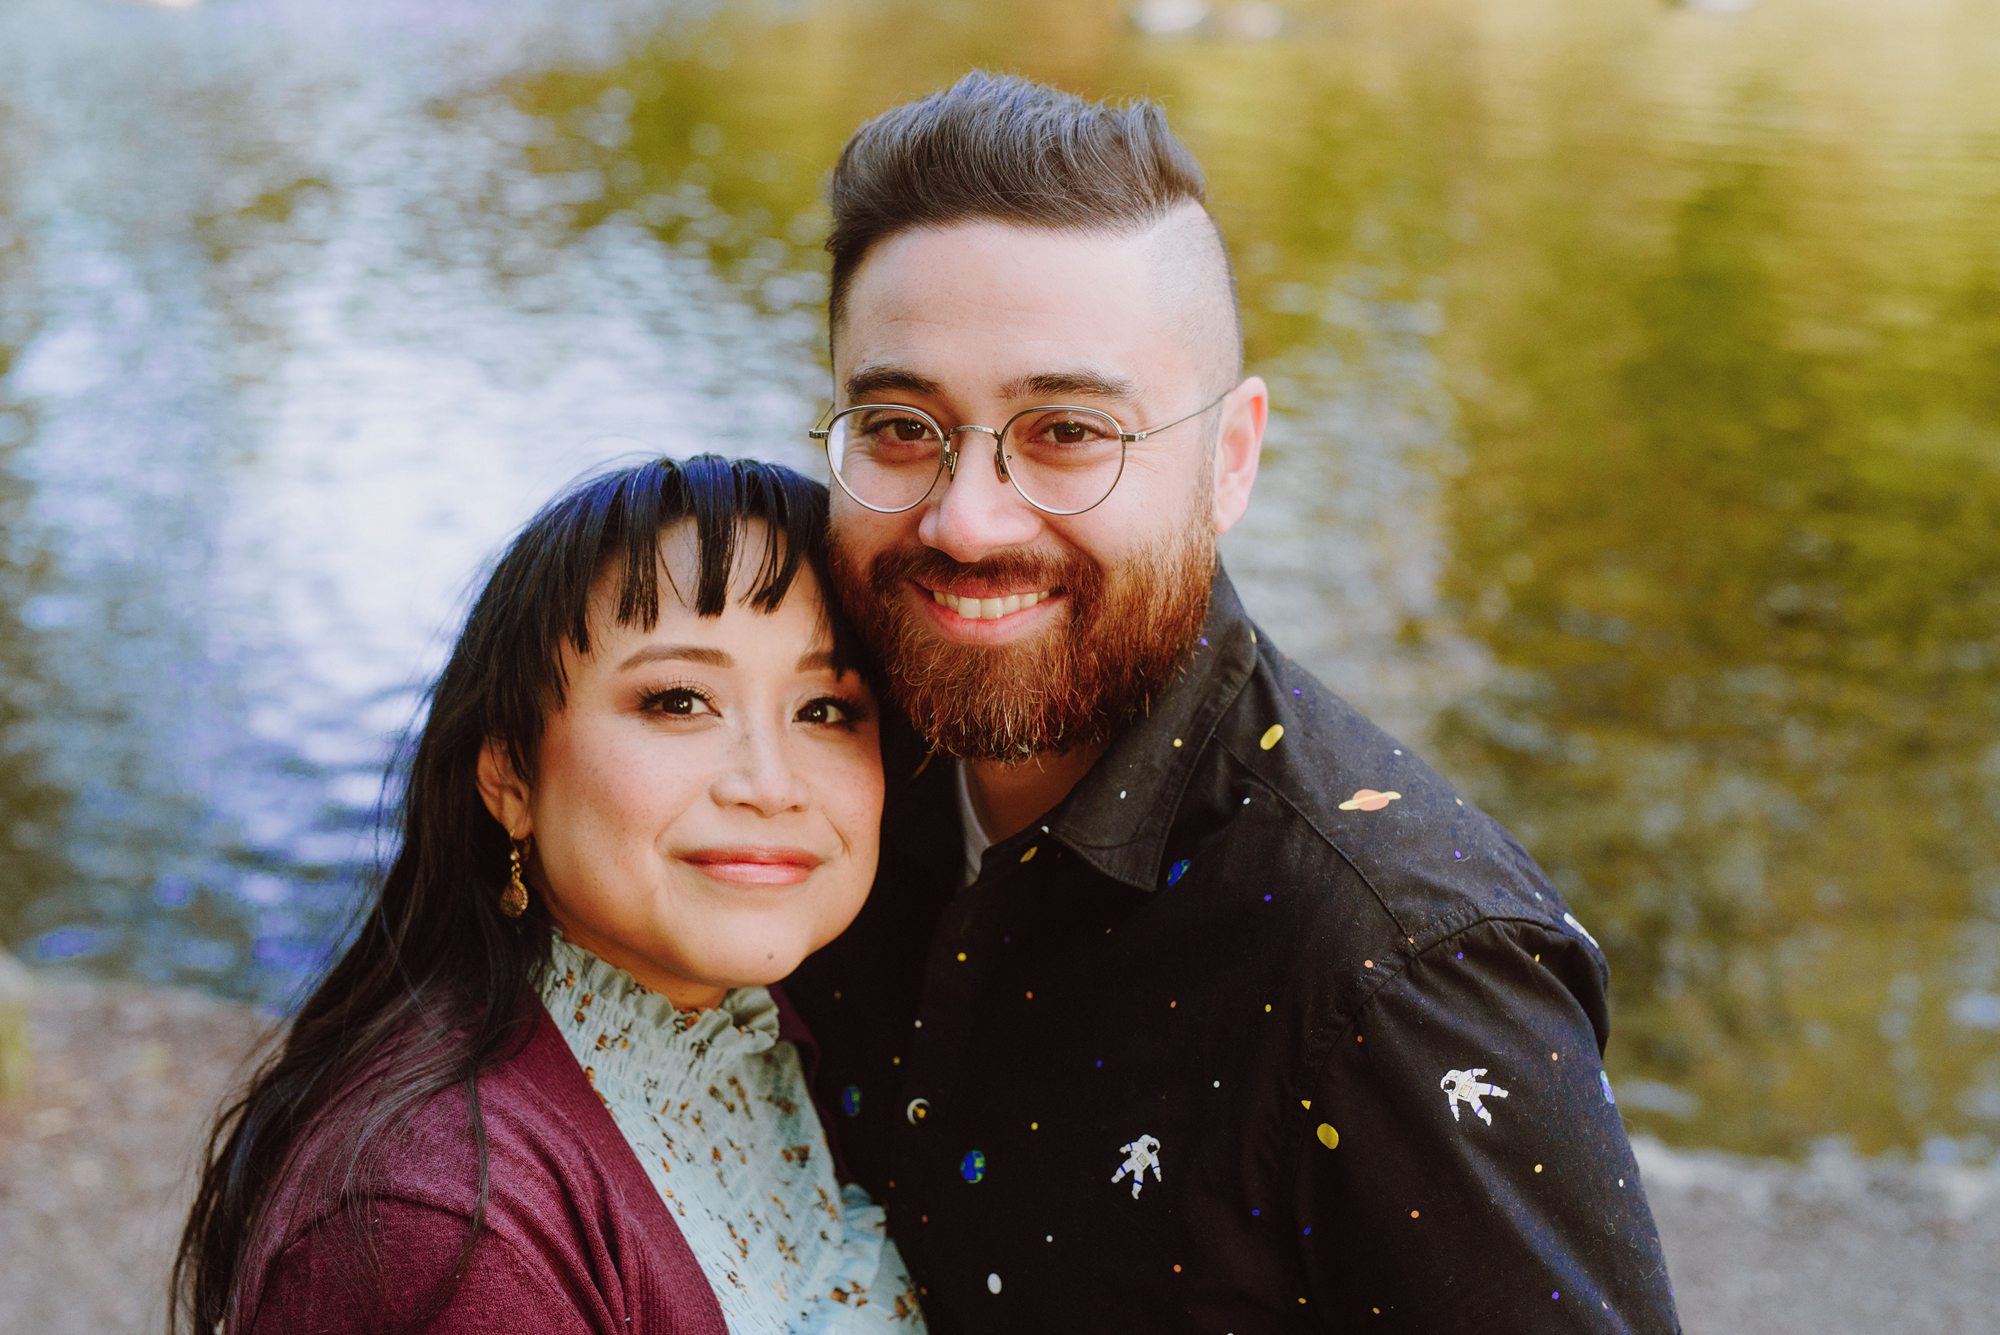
(996, 148)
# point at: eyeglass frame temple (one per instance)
(1133, 437)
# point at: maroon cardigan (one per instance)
(576, 1238)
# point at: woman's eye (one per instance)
(831, 711)
(676, 702)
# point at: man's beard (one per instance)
(1073, 684)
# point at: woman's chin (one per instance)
(761, 953)
(761, 970)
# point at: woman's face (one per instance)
(706, 804)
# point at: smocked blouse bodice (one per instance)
(717, 1110)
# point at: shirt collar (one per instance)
(1118, 815)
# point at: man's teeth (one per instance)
(986, 609)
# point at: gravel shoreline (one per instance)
(95, 1165)
(96, 1161)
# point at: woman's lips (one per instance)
(754, 865)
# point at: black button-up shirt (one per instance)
(1264, 1027)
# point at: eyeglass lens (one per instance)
(1061, 459)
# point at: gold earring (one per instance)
(514, 899)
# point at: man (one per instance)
(1186, 999)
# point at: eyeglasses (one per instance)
(1062, 459)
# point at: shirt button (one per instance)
(918, 1110)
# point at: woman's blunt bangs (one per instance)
(543, 585)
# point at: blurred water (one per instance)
(1637, 447)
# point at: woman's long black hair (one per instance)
(431, 991)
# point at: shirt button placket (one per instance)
(940, 1044)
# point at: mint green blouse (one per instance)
(718, 1112)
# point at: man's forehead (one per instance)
(1032, 301)
(1013, 302)
(1005, 263)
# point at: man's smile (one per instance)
(987, 608)
(985, 612)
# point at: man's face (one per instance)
(1006, 631)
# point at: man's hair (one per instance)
(1001, 149)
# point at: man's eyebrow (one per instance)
(689, 653)
(1079, 383)
(871, 381)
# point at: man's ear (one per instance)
(505, 792)
(1237, 450)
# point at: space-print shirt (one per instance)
(1264, 1027)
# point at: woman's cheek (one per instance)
(860, 797)
(645, 779)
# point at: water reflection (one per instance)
(1638, 375)
(1727, 527)
(31, 845)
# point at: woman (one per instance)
(546, 1087)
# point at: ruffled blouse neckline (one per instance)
(611, 1018)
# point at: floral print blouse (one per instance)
(717, 1110)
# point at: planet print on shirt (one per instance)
(973, 1166)
(850, 1100)
(1367, 799)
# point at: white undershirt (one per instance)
(976, 838)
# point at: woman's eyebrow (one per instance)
(812, 660)
(691, 653)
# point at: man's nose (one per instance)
(761, 773)
(974, 511)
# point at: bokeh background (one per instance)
(1635, 451)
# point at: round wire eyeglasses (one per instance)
(1062, 459)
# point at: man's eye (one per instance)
(1071, 431)
(902, 430)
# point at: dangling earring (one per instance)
(514, 899)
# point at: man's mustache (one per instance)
(933, 569)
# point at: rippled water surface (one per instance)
(1636, 448)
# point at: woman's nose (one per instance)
(761, 773)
